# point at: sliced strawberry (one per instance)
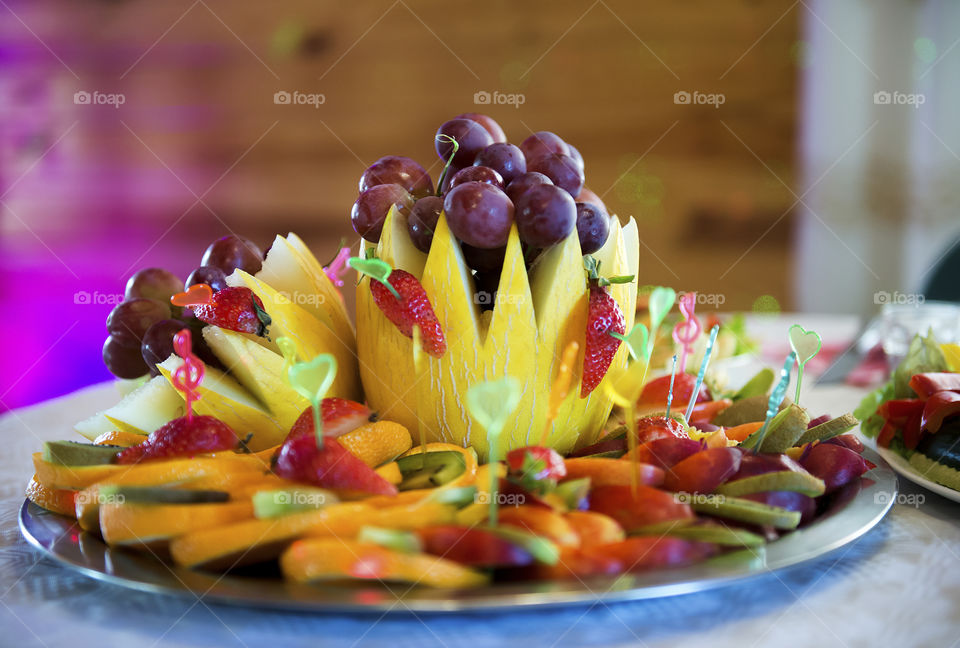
(339, 417)
(236, 309)
(536, 462)
(182, 437)
(333, 466)
(412, 307)
(604, 317)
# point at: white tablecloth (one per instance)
(898, 585)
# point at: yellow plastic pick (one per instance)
(490, 404)
(560, 387)
(289, 351)
(311, 380)
(952, 354)
(625, 386)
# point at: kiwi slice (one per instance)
(719, 535)
(781, 480)
(944, 446)
(74, 453)
(573, 491)
(784, 430)
(829, 429)
(542, 550)
(402, 541)
(744, 510)
(759, 385)
(658, 528)
(429, 470)
(745, 410)
(286, 501)
(161, 495)
(457, 497)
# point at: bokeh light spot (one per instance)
(766, 304)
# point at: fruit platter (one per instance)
(490, 428)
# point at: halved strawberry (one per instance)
(182, 437)
(236, 309)
(339, 417)
(603, 318)
(407, 305)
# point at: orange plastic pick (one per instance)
(195, 295)
(561, 387)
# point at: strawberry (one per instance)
(182, 437)
(536, 462)
(236, 309)
(332, 466)
(408, 307)
(603, 318)
(339, 417)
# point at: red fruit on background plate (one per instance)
(332, 466)
(666, 452)
(339, 417)
(633, 511)
(655, 552)
(603, 318)
(704, 471)
(536, 462)
(412, 308)
(836, 465)
(235, 309)
(472, 546)
(182, 437)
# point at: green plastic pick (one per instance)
(490, 404)
(660, 303)
(805, 344)
(636, 341)
(289, 351)
(375, 269)
(311, 380)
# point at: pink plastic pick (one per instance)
(338, 267)
(686, 332)
(188, 376)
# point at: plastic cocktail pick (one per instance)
(673, 376)
(686, 332)
(311, 380)
(755, 440)
(660, 303)
(636, 341)
(418, 360)
(337, 267)
(289, 351)
(703, 370)
(188, 376)
(375, 269)
(193, 296)
(560, 387)
(805, 344)
(624, 387)
(490, 404)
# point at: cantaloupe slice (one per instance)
(91, 428)
(146, 408)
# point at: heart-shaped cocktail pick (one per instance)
(686, 332)
(188, 376)
(806, 345)
(660, 302)
(288, 349)
(624, 387)
(490, 404)
(636, 341)
(375, 269)
(311, 380)
(195, 295)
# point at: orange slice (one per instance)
(148, 525)
(595, 528)
(120, 438)
(377, 443)
(57, 500)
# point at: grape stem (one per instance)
(443, 137)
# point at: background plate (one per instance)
(861, 508)
(903, 467)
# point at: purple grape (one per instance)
(471, 136)
(123, 361)
(543, 143)
(129, 320)
(153, 283)
(445, 184)
(562, 170)
(488, 124)
(575, 154)
(477, 174)
(479, 214)
(231, 252)
(524, 182)
(371, 207)
(158, 342)
(210, 275)
(545, 216)
(587, 196)
(505, 159)
(593, 226)
(422, 221)
(484, 260)
(395, 169)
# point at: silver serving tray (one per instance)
(60, 538)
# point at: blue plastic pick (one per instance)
(703, 370)
(673, 376)
(755, 440)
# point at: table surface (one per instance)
(894, 586)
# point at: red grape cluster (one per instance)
(488, 186)
(141, 328)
